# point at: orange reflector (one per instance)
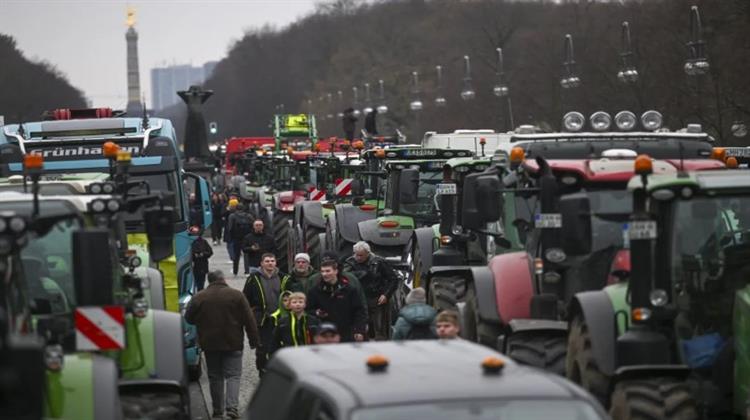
(367, 207)
(492, 364)
(517, 155)
(446, 239)
(123, 156)
(316, 148)
(110, 149)
(643, 165)
(32, 161)
(328, 206)
(130, 253)
(538, 265)
(641, 314)
(482, 141)
(732, 162)
(359, 145)
(380, 153)
(377, 362)
(389, 224)
(290, 150)
(719, 153)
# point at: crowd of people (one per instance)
(339, 301)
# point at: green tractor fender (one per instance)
(85, 388)
(153, 286)
(596, 309)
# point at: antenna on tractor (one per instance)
(144, 121)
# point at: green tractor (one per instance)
(669, 339)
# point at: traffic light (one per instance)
(213, 127)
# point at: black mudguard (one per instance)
(484, 284)
(424, 239)
(312, 214)
(598, 312)
(348, 218)
(524, 325)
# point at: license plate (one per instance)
(446, 189)
(642, 230)
(548, 220)
(738, 151)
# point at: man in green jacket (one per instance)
(221, 313)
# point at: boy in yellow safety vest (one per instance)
(297, 327)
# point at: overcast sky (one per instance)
(85, 39)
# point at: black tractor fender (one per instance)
(635, 372)
(168, 342)
(596, 309)
(347, 221)
(312, 214)
(484, 284)
(424, 240)
(526, 325)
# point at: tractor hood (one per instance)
(285, 200)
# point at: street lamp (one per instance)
(501, 88)
(329, 96)
(415, 105)
(569, 79)
(627, 73)
(355, 91)
(382, 108)
(440, 99)
(368, 100)
(467, 93)
(697, 63)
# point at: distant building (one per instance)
(166, 81)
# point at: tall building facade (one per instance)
(166, 81)
(134, 106)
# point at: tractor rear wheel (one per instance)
(477, 329)
(281, 226)
(545, 350)
(653, 399)
(445, 292)
(312, 243)
(580, 366)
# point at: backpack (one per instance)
(421, 332)
(242, 226)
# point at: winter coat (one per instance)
(348, 122)
(264, 242)
(293, 332)
(201, 251)
(256, 290)
(299, 282)
(221, 313)
(231, 233)
(341, 305)
(376, 276)
(412, 315)
(315, 279)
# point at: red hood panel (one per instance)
(513, 286)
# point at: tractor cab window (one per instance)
(609, 210)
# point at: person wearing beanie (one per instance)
(416, 321)
(299, 278)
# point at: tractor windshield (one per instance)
(425, 207)
(609, 209)
(710, 241)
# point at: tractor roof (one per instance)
(725, 181)
(619, 170)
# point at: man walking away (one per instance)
(221, 313)
(348, 122)
(238, 226)
(201, 252)
(231, 209)
(295, 328)
(447, 325)
(262, 290)
(255, 244)
(416, 321)
(379, 282)
(335, 300)
(218, 214)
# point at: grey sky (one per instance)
(85, 39)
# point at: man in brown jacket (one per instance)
(221, 313)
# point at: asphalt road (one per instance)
(199, 391)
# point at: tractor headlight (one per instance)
(600, 121)
(555, 255)
(625, 120)
(17, 225)
(658, 297)
(113, 206)
(98, 206)
(651, 120)
(573, 121)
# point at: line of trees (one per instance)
(27, 89)
(346, 43)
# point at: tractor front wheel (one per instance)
(653, 399)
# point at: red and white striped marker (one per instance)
(317, 195)
(100, 328)
(344, 186)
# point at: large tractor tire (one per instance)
(312, 243)
(653, 399)
(415, 266)
(281, 226)
(446, 292)
(541, 349)
(153, 405)
(580, 366)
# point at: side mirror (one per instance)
(576, 224)
(481, 200)
(160, 231)
(408, 185)
(93, 268)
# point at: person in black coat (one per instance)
(218, 214)
(335, 300)
(257, 243)
(201, 251)
(349, 122)
(370, 123)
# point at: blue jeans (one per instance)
(230, 250)
(224, 366)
